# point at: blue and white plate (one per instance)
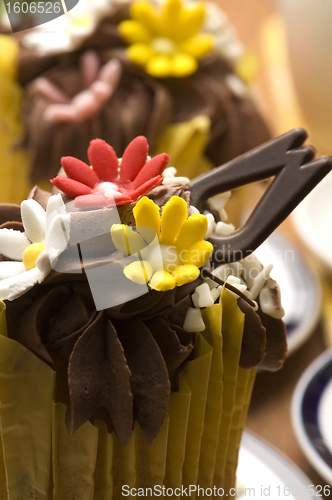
(264, 472)
(300, 287)
(312, 414)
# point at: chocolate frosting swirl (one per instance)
(140, 105)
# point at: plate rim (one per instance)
(311, 453)
(284, 460)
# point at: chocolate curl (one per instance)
(295, 176)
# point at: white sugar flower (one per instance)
(65, 33)
(34, 251)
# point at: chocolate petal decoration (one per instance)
(149, 383)
(276, 343)
(254, 337)
(10, 212)
(295, 176)
(99, 377)
(173, 352)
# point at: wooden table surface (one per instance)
(269, 413)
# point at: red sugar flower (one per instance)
(110, 182)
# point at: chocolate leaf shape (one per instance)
(169, 344)
(276, 343)
(99, 377)
(149, 382)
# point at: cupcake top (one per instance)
(124, 69)
(105, 279)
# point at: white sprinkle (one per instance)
(233, 280)
(202, 296)
(194, 210)
(169, 172)
(236, 85)
(175, 181)
(215, 292)
(268, 305)
(224, 229)
(223, 215)
(260, 280)
(211, 226)
(219, 201)
(194, 321)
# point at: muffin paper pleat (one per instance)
(198, 441)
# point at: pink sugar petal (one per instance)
(102, 92)
(103, 160)
(50, 90)
(146, 187)
(110, 72)
(133, 158)
(151, 169)
(70, 187)
(85, 104)
(89, 63)
(90, 201)
(60, 113)
(79, 171)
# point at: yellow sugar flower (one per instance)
(167, 40)
(170, 248)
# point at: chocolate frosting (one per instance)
(140, 105)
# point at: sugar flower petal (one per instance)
(13, 243)
(11, 268)
(139, 271)
(185, 274)
(57, 237)
(192, 20)
(14, 287)
(193, 230)
(33, 218)
(174, 215)
(183, 65)
(134, 32)
(162, 281)
(198, 254)
(146, 214)
(126, 239)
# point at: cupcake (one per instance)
(123, 69)
(133, 322)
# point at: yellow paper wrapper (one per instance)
(103, 477)
(74, 458)
(197, 377)
(14, 185)
(197, 444)
(232, 331)
(185, 143)
(178, 412)
(26, 394)
(244, 388)
(213, 409)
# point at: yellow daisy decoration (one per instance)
(170, 248)
(166, 40)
